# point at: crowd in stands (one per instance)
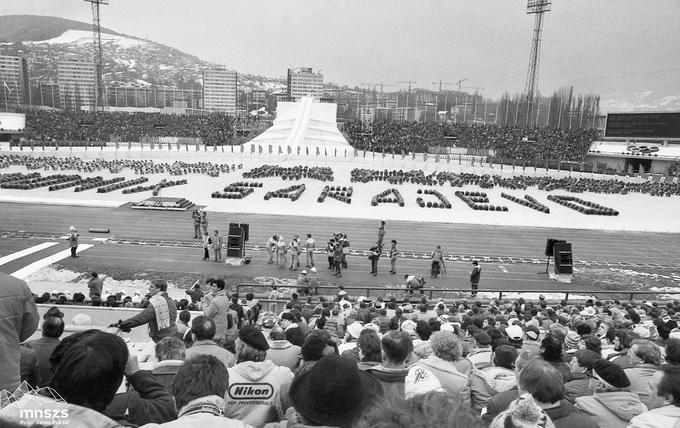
(504, 142)
(336, 361)
(48, 127)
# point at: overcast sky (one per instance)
(355, 41)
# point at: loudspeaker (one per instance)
(234, 241)
(245, 227)
(549, 246)
(234, 252)
(563, 258)
(234, 229)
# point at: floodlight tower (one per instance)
(97, 35)
(538, 8)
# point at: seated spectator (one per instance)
(281, 352)
(170, 355)
(646, 357)
(446, 350)
(183, 323)
(397, 348)
(432, 409)
(200, 386)
(370, 350)
(29, 370)
(501, 401)
(253, 379)
(202, 333)
(52, 329)
(88, 369)
(673, 351)
(532, 340)
(581, 366)
(334, 393)
(612, 405)
(480, 356)
(664, 402)
(545, 384)
(623, 340)
(490, 381)
(552, 352)
(523, 413)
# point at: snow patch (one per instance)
(85, 37)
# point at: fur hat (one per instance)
(316, 393)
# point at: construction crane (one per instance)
(442, 84)
(97, 35)
(410, 82)
(459, 82)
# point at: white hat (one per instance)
(409, 326)
(304, 272)
(313, 269)
(354, 329)
(642, 331)
(588, 312)
(514, 332)
(342, 293)
(72, 228)
(360, 299)
(420, 381)
(447, 327)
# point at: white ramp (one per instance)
(305, 123)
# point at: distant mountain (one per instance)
(25, 28)
(128, 60)
(652, 91)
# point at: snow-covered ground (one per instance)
(85, 37)
(637, 212)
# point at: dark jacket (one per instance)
(43, 348)
(148, 402)
(564, 416)
(390, 380)
(148, 316)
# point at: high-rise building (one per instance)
(76, 84)
(13, 80)
(219, 89)
(304, 82)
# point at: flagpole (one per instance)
(4, 91)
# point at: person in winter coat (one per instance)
(255, 383)
(488, 382)
(612, 405)
(281, 352)
(160, 314)
(218, 308)
(581, 371)
(397, 347)
(200, 385)
(540, 379)
(647, 357)
(664, 402)
(73, 240)
(446, 350)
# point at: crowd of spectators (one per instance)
(337, 361)
(502, 142)
(48, 127)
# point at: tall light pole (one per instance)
(97, 35)
(538, 8)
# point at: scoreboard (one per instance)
(643, 125)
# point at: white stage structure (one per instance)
(304, 124)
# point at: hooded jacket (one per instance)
(486, 383)
(563, 416)
(578, 386)
(283, 353)
(667, 416)
(612, 409)
(390, 379)
(639, 376)
(254, 390)
(453, 381)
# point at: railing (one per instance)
(441, 292)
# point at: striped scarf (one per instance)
(160, 305)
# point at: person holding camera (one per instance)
(196, 216)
